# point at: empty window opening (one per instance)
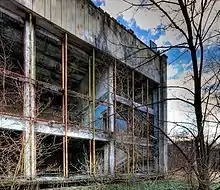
(11, 96)
(10, 153)
(123, 118)
(11, 65)
(78, 67)
(124, 86)
(48, 59)
(79, 156)
(78, 87)
(49, 155)
(48, 104)
(101, 117)
(11, 44)
(104, 119)
(123, 81)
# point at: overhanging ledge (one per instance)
(16, 123)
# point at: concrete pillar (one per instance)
(163, 156)
(111, 127)
(164, 61)
(106, 159)
(29, 97)
(112, 158)
(156, 131)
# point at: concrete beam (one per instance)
(136, 105)
(12, 123)
(58, 129)
(127, 139)
(12, 15)
(16, 123)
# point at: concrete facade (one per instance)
(87, 80)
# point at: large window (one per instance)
(11, 65)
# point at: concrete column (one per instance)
(106, 159)
(156, 131)
(29, 97)
(163, 157)
(164, 61)
(112, 158)
(111, 127)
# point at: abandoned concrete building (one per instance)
(80, 95)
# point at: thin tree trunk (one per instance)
(203, 168)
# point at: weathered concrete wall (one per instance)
(82, 19)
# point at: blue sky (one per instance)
(99, 3)
(144, 34)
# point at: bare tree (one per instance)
(197, 24)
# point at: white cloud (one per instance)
(177, 110)
(171, 71)
(116, 7)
